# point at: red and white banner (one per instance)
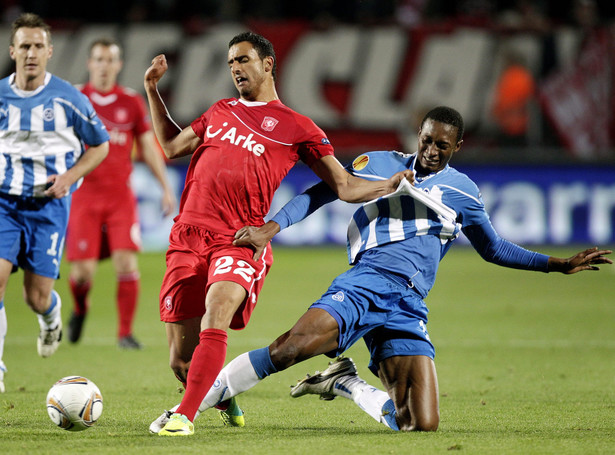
(578, 100)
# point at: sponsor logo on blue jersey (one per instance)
(339, 296)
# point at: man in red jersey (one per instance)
(241, 150)
(103, 220)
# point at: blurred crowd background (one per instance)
(522, 111)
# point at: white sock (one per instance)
(236, 377)
(3, 327)
(373, 401)
(349, 386)
(53, 316)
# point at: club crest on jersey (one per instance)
(121, 115)
(168, 303)
(48, 114)
(360, 162)
(339, 296)
(269, 123)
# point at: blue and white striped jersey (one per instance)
(408, 232)
(413, 227)
(43, 132)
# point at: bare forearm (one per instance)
(361, 190)
(164, 126)
(354, 189)
(88, 161)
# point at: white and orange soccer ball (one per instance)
(74, 403)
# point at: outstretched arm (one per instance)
(295, 210)
(493, 248)
(355, 189)
(174, 141)
(337, 183)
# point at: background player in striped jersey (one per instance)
(44, 122)
(100, 227)
(241, 150)
(395, 244)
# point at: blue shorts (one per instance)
(381, 308)
(32, 232)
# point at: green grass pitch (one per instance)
(526, 365)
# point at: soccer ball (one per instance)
(74, 403)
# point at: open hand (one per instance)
(584, 260)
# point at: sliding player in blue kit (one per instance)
(395, 244)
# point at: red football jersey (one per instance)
(248, 148)
(123, 112)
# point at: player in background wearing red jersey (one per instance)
(241, 150)
(104, 220)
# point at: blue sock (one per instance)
(261, 361)
(53, 316)
(54, 302)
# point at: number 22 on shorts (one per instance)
(225, 264)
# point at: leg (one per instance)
(222, 301)
(314, 333)
(3, 328)
(41, 297)
(37, 291)
(412, 383)
(183, 338)
(80, 282)
(5, 271)
(126, 269)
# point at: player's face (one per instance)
(104, 66)
(247, 70)
(437, 143)
(31, 51)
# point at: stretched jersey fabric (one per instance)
(43, 132)
(248, 148)
(123, 112)
(408, 232)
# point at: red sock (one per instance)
(127, 296)
(207, 361)
(80, 296)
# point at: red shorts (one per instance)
(196, 259)
(100, 224)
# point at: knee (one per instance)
(419, 421)
(427, 424)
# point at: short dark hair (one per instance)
(263, 47)
(29, 20)
(448, 115)
(105, 41)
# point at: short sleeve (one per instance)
(313, 143)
